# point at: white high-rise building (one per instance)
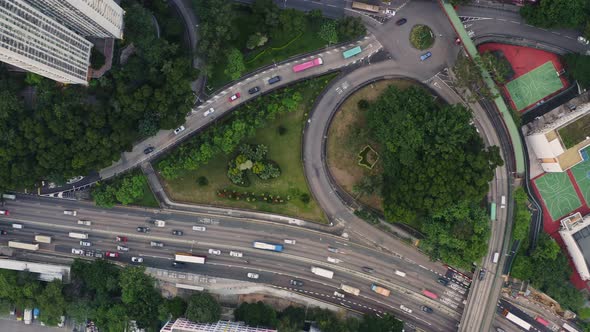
(37, 43)
(89, 18)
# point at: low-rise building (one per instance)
(184, 325)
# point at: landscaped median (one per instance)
(252, 159)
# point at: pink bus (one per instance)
(430, 294)
(306, 65)
(542, 321)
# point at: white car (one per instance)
(209, 111)
(70, 212)
(122, 248)
(77, 251)
(583, 40)
(215, 251)
(85, 243)
(235, 254)
(253, 275)
(406, 309)
(199, 228)
(178, 130)
(84, 222)
(340, 295)
(289, 241)
(137, 259)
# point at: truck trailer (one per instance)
(322, 272)
(380, 290)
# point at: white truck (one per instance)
(22, 245)
(43, 238)
(75, 235)
(28, 316)
(322, 272)
(189, 258)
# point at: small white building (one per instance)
(575, 232)
(184, 325)
(559, 140)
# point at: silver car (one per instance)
(85, 243)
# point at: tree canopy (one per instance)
(202, 307)
(432, 156)
(579, 68)
(557, 13)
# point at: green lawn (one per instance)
(575, 132)
(278, 48)
(285, 150)
(148, 199)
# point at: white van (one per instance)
(236, 254)
(70, 212)
(496, 257)
(400, 273)
(199, 228)
(289, 241)
(19, 226)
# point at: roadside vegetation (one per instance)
(574, 14)
(61, 131)
(252, 159)
(421, 37)
(522, 216)
(292, 319)
(235, 39)
(469, 78)
(128, 189)
(431, 177)
(578, 66)
(101, 292)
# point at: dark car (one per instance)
(296, 283)
(143, 229)
(3, 232)
(273, 80)
(426, 309)
(368, 269)
(149, 150)
(401, 21)
(482, 274)
(332, 249)
(443, 281)
(177, 264)
(254, 90)
(177, 232)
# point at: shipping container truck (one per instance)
(365, 6)
(189, 258)
(322, 272)
(516, 320)
(22, 245)
(43, 238)
(75, 235)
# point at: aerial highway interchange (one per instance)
(359, 244)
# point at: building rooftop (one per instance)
(184, 325)
(575, 232)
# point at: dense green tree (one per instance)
(497, 66)
(256, 40)
(35, 79)
(80, 310)
(267, 13)
(112, 318)
(386, 323)
(104, 195)
(131, 189)
(97, 59)
(202, 307)
(579, 68)
(291, 319)
(52, 303)
(235, 64)
(432, 156)
(215, 30)
(522, 215)
(350, 27)
(175, 307)
(468, 76)
(328, 32)
(256, 314)
(292, 22)
(557, 13)
(458, 235)
(139, 296)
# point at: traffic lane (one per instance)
(126, 224)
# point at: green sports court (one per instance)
(581, 173)
(534, 85)
(558, 194)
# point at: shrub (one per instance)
(363, 104)
(305, 198)
(202, 181)
(421, 37)
(282, 130)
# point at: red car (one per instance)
(112, 254)
(234, 97)
(121, 239)
(4, 212)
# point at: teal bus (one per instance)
(493, 212)
(352, 52)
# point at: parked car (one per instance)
(252, 275)
(425, 56)
(85, 243)
(122, 248)
(401, 21)
(177, 232)
(340, 295)
(254, 90)
(178, 130)
(215, 252)
(234, 97)
(209, 111)
(143, 229)
(137, 259)
(426, 309)
(149, 150)
(111, 254)
(296, 283)
(121, 239)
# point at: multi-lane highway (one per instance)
(45, 216)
